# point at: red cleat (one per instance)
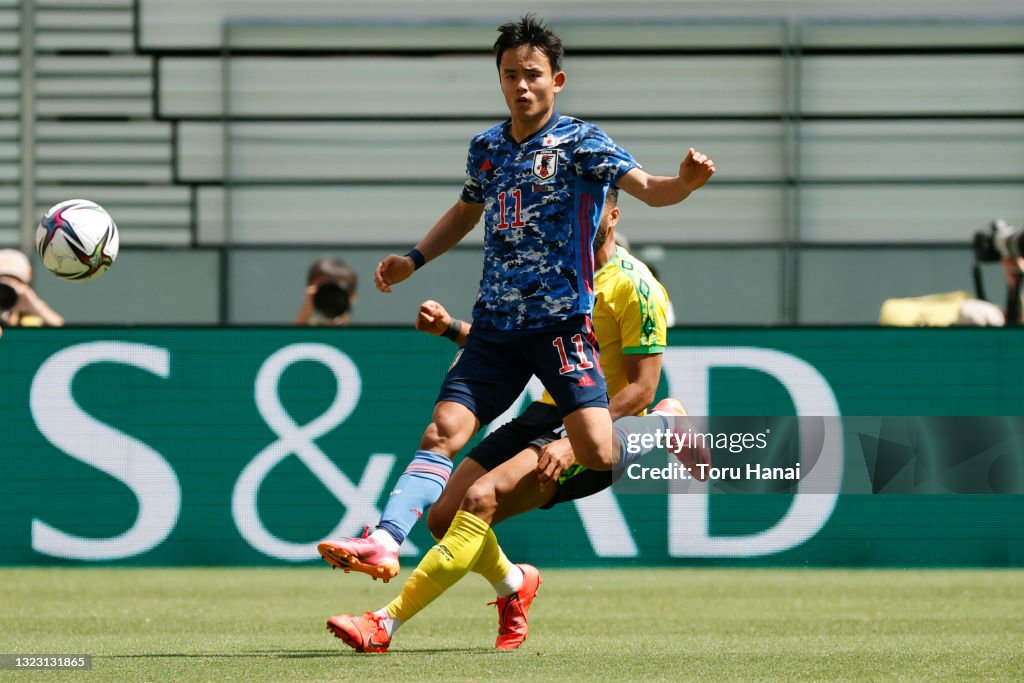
(362, 634)
(361, 555)
(512, 609)
(669, 406)
(690, 455)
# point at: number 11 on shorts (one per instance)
(567, 367)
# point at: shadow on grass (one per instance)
(298, 654)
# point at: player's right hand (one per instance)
(554, 459)
(392, 270)
(433, 318)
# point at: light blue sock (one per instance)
(419, 487)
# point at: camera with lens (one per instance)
(8, 297)
(1000, 241)
(335, 285)
(14, 265)
(333, 299)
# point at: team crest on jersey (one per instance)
(545, 163)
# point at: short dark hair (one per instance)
(335, 270)
(529, 31)
(612, 197)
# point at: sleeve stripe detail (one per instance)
(645, 350)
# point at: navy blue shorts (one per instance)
(492, 369)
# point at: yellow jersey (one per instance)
(629, 316)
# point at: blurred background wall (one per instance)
(858, 146)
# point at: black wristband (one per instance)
(417, 258)
(454, 330)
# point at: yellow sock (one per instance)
(442, 566)
(492, 564)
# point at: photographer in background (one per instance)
(1004, 243)
(20, 306)
(1001, 243)
(330, 293)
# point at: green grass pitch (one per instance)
(608, 625)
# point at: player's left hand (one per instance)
(695, 170)
(554, 459)
(392, 270)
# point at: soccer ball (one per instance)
(77, 240)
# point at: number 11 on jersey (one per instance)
(517, 222)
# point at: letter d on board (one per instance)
(688, 371)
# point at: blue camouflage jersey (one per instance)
(542, 200)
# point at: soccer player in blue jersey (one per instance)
(501, 477)
(539, 179)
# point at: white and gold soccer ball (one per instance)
(77, 240)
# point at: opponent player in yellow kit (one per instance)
(526, 463)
